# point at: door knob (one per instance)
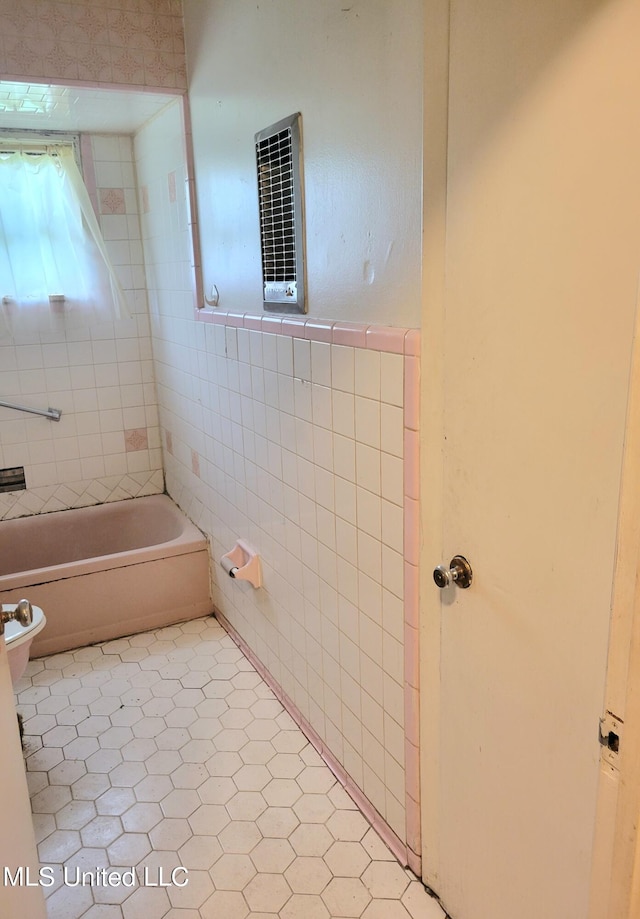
(459, 572)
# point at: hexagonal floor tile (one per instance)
(177, 753)
(272, 856)
(267, 893)
(232, 871)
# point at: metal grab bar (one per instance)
(53, 414)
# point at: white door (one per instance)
(540, 266)
(17, 842)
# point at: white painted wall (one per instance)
(354, 70)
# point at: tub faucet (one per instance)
(22, 613)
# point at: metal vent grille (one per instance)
(281, 215)
(12, 479)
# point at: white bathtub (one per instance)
(105, 571)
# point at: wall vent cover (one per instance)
(279, 168)
(12, 479)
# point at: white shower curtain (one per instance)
(55, 271)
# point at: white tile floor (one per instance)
(166, 750)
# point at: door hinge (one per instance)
(610, 734)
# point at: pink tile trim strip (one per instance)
(392, 841)
(411, 657)
(412, 342)
(413, 825)
(415, 862)
(412, 393)
(354, 334)
(411, 531)
(385, 338)
(293, 327)
(318, 330)
(412, 715)
(412, 764)
(271, 324)
(411, 595)
(411, 464)
(411, 471)
(349, 333)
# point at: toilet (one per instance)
(18, 639)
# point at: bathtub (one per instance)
(105, 571)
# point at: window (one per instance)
(54, 267)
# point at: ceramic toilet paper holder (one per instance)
(243, 564)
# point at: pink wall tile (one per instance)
(272, 324)
(386, 338)
(411, 531)
(293, 327)
(414, 834)
(412, 342)
(112, 201)
(412, 656)
(411, 595)
(412, 715)
(234, 319)
(411, 464)
(349, 333)
(318, 331)
(136, 439)
(412, 769)
(412, 393)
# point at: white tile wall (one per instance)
(101, 378)
(297, 447)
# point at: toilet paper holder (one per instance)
(243, 564)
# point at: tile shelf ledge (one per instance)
(391, 339)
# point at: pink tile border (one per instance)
(411, 595)
(412, 342)
(384, 338)
(350, 333)
(294, 327)
(355, 334)
(316, 330)
(412, 392)
(399, 849)
(272, 324)
(412, 656)
(411, 531)
(413, 813)
(411, 463)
